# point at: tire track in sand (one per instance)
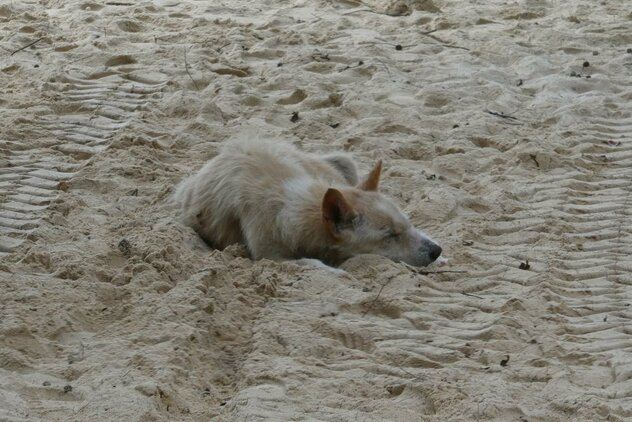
(93, 110)
(582, 277)
(594, 274)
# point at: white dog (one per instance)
(283, 203)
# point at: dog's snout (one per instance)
(435, 252)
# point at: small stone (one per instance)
(147, 389)
(125, 247)
(595, 53)
(629, 50)
(398, 47)
(67, 388)
(395, 390)
(46, 383)
(573, 73)
(586, 64)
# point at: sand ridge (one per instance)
(504, 128)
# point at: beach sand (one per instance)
(505, 130)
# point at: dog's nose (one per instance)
(435, 252)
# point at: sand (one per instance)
(505, 129)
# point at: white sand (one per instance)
(104, 291)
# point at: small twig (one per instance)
(422, 272)
(220, 48)
(83, 406)
(409, 373)
(385, 66)
(361, 10)
(360, 63)
(366, 311)
(27, 46)
(444, 43)
(425, 272)
(504, 116)
(470, 294)
(455, 46)
(186, 67)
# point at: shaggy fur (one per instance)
(283, 203)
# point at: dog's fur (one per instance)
(283, 203)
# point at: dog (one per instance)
(284, 204)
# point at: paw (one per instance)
(318, 264)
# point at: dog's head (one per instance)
(362, 220)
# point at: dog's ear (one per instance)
(337, 212)
(372, 180)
